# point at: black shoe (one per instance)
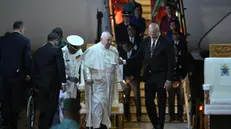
(138, 118)
(157, 127)
(128, 117)
(171, 119)
(180, 119)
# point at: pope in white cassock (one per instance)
(72, 58)
(101, 75)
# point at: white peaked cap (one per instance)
(75, 40)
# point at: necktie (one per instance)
(152, 47)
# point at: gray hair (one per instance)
(105, 34)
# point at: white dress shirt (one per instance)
(129, 54)
(155, 42)
(132, 39)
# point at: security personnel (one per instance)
(71, 54)
(59, 31)
(121, 33)
(179, 74)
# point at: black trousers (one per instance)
(135, 87)
(171, 101)
(48, 103)
(150, 93)
(11, 101)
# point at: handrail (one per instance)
(223, 18)
(186, 85)
(112, 19)
(183, 17)
(106, 15)
(187, 96)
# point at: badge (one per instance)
(77, 57)
(225, 70)
(135, 47)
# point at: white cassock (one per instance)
(100, 66)
(72, 67)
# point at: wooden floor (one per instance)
(149, 126)
(127, 125)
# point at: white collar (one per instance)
(176, 42)
(126, 24)
(129, 53)
(101, 44)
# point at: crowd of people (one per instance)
(47, 71)
(58, 69)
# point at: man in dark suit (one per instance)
(131, 75)
(157, 55)
(133, 36)
(48, 75)
(15, 57)
(180, 73)
(59, 31)
(121, 33)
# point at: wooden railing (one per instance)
(182, 17)
(187, 96)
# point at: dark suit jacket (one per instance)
(181, 64)
(132, 69)
(15, 55)
(121, 33)
(159, 67)
(121, 36)
(48, 67)
(137, 41)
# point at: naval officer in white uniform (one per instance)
(72, 58)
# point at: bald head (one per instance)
(154, 26)
(153, 31)
(106, 39)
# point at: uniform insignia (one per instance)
(135, 47)
(225, 70)
(77, 57)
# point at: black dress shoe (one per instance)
(157, 127)
(180, 119)
(171, 119)
(128, 117)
